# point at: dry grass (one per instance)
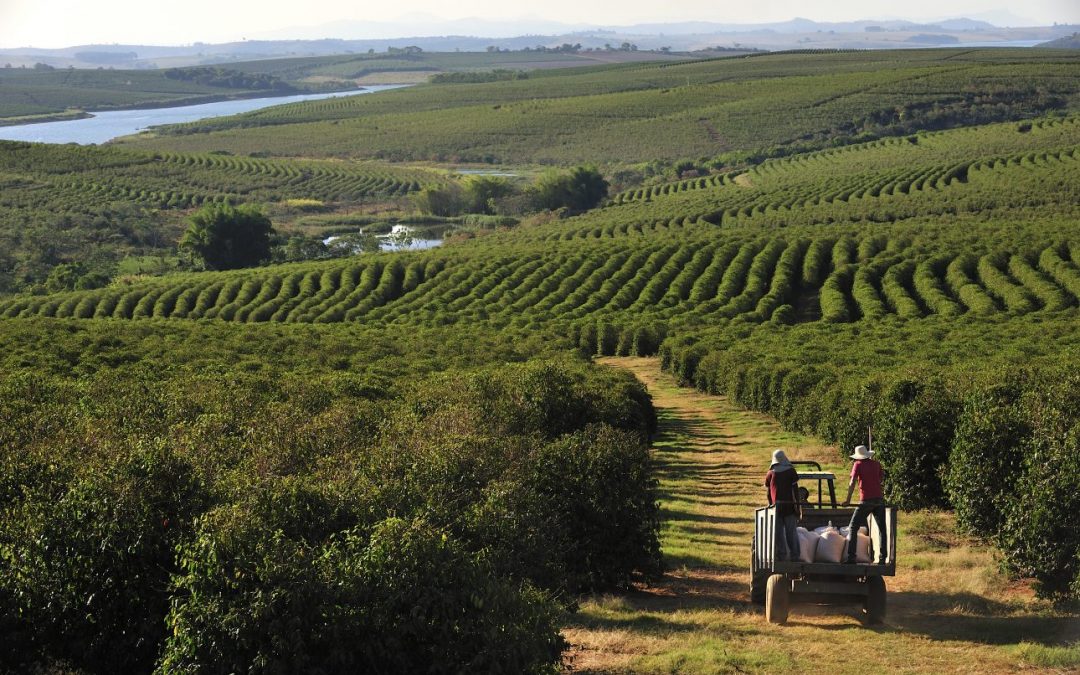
(950, 610)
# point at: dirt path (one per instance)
(949, 609)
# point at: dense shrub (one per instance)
(580, 189)
(223, 237)
(561, 518)
(543, 398)
(1039, 536)
(273, 592)
(986, 458)
(253, 502)
(87, 559)
(913, 429)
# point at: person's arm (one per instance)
(768, 492)
(850, 490)
(851, 486)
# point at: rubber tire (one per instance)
(757, 587)
(757, 581)
(777, 599)
(875, 601)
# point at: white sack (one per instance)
(830, 547)
(808, 542)
(862, 548)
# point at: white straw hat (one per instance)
(862, 453)
(779, 457)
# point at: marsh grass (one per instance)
(950, 608)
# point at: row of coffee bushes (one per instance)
(1014, 465)
(980, 416)
(604, 338)
(214, 519)
(73, 348)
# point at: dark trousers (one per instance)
(858, 519)
(787, 538)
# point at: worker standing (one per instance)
(868, 472)
(782, 484)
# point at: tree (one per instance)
(482, 192)
(444, 201)
(579, 190)
(63, 277)
(225, 237)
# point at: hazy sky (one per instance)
(56, 23)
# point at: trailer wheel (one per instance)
(875, 600)
(777, 599)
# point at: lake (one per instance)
(109, 124)
(401, 238)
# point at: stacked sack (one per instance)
(827, 544)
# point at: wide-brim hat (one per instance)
(779, 457)
(862, 453)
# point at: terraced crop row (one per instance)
(837, 279)
(647, 194)
(40, 177)
(961, 171)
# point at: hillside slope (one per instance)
(774, 103)
(967, 222)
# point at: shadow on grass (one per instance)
(680, 516)
(972, 618)
(676, 561)
(662, 608)
(953, 617)
(704, 497)
(643, 623)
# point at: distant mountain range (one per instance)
(432, 34)
(429, 26)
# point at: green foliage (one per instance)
(99, 207)
(913, 429)
(283, 508)
(51, 91)
(213, 76)
(954, 419)
(224, 237)
(445, 200)
(662, 111)
(497, 75)
(1037, 536)
(263, 591)
(88, 555)
(73, 277)
(410, 449)
(579, 190)
(986, 458)
(481, 193)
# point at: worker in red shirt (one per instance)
(782, 487)
(867, 471)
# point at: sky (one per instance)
(60, 23)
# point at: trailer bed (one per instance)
(765, 542)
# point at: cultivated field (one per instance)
(412, 461)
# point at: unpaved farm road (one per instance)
(949, 609)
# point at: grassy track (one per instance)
(949, 608)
